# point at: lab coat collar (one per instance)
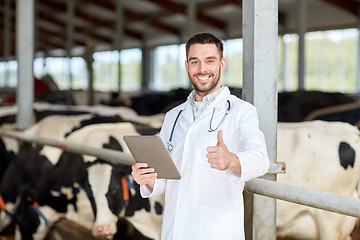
(220, 100)
(219, 103)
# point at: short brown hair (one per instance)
(205, 38)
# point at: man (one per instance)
(216, 144)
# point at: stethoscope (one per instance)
(169, 145)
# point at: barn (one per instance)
(76, 91)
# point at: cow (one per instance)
(43, 110)
(15, 159)
(16, 172)
(17, 176)
(50, 200)
(322, 156)
(153, 103)
(57, 194)
(297, 106)
(106, 192)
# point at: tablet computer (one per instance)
(151, 150)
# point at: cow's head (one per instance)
(26, 170)
(27, 218)
(56, 196)
(113, 190)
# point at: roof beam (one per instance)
(133, 16)
(350, 6)
(179, 8)
(42, 41)
(93, 20)
(62, 25)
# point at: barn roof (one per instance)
(152, 23)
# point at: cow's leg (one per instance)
(348, 227)
(330, 225)
(295, 227)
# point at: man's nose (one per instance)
(202, 67)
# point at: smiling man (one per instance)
(216, 144)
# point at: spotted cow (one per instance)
(55, 127)
(107, 189)
(110, 204)
(25, 166)
(322, 156)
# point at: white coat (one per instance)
(207, 203)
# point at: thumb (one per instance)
(220, 138)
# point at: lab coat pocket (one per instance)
(218, 223)
(207, 139)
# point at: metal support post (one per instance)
(260, 36)
(25, 58)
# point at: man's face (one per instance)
(204, 66)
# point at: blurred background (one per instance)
(138, 45)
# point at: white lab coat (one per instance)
(207, 203)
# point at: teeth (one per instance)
(203, 78)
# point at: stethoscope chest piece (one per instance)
(169, 146)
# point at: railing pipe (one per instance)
(105, 154)
(312, 198)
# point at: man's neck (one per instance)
(199, 96)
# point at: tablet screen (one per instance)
(151, 150)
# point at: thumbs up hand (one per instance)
(220, 157)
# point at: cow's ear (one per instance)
(113, 144)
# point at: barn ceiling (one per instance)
(150, 23)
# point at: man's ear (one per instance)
(222, 64)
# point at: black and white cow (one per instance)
(107, 189)
(322, 156)
(105, 182)
(21, 171)
(63, 192)
(19, 175)
(52, 127)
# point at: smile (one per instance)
(203, 77)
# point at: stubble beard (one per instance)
(203, 89)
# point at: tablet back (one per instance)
(151, 149)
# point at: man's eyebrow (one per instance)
(192, 58)
(210, 57)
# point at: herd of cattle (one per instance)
(41, 184)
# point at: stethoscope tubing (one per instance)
(169, 145)
(226, 113)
